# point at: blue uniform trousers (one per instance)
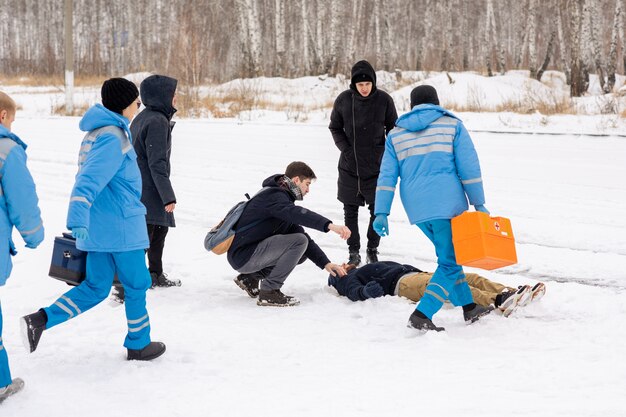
(5, 372)
(101, 267)
(448, 281)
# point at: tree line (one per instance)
(214, 41)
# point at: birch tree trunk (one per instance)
(615, 32)
(532, 38)
(279, 30)
(578, 86)
(595, 46)
(464, 37)
(487, 45)
(563, 49)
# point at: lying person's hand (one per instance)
(373, 290)
(335, 269)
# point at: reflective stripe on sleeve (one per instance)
(472, 181)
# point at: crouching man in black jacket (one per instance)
(269, 251)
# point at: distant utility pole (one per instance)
(69, 58)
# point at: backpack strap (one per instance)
(251, 225)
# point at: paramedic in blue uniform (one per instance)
(19, 208)
(433, 155)
(108, 220)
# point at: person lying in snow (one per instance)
(391, 278)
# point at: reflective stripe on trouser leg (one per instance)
(134, 276)
(447, 272)
(5, 372)
(90, 292)
(461, 293)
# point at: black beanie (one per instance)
(424, 94)
(118, 93)
(361, 78)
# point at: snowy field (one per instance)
(562, 356)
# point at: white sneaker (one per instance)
(514, 299)
(14, 387)
(537, 291)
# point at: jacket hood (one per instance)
(272, 181)
(6, 133)
(157, 93)
(422, 116)
(363, 67)
(99, 116)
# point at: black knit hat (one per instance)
(361, 78)
(118, 93)
(424, 94)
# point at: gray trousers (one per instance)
(282, 252)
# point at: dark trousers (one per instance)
(351, 218)
(156, 234)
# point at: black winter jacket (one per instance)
(152, 138)
(386, 273)
(359, 126)
(278, 215)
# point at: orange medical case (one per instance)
(481, 241)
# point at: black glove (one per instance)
(373, 290)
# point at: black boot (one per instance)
(152, 351)
(372, 255)
(118, 294)
(275, 298)
(354, 258)
(419, 321)
(33, 326)
(472, 315)
(249, 283)
(161, 280)
(14, 387)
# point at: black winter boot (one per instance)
(14, 387)
(152, 351)
(472, 315)
(161, 280)
(33, 326)
(118, 294)
(249, 283)
(419, 321)
(372, 255)
(275, 298)
(354, 258)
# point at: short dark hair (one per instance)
(300, 170)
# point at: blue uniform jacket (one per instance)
(18, 201)
(434, 157)
(386, 273)
(106, 198)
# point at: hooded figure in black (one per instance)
(152, 138)
(361, 118)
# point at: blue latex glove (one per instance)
(32, 245)
(373, 290)
(380, 225)
(80, 233)
(482, 208)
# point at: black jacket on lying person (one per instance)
(276, 214)
(386, 273)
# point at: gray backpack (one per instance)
(221, 236)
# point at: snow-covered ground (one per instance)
(563, 356)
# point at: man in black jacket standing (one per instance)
(152, 138)
(361, 118)
(272, 241)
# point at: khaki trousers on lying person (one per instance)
(484, 291)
